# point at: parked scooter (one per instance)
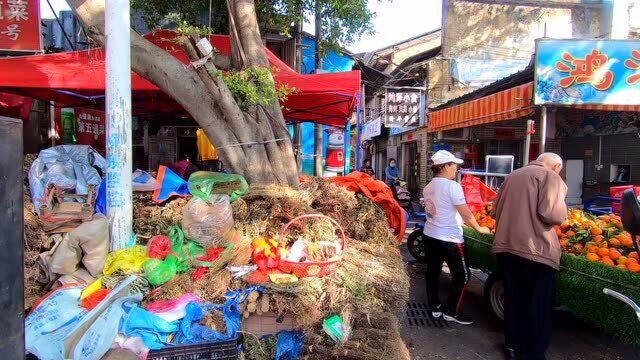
(415, 245)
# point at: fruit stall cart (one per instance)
(599, 277)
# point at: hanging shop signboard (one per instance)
(372, 129)
(20, 25)
(402, 107)
(595, 72)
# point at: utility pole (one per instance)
(118, 109)
(297, 132)
(318, 128)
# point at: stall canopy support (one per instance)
(527, 142)
(118, 111)
(543, 129)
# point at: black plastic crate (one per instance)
(222, 350)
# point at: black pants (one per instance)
(439, 252)
(529, 289)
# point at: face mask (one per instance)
(392, 165)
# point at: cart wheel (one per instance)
(416, 246)
(494, 294)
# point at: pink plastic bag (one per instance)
(171, 310)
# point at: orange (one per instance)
(621, 267)
(570, 233)
(614, 242)
(592, 249)
(598, 239)
(631, 261)
(558, 231)
(622, 260)
(593, 257)
(634, 267)
(614, 254)
(578, 247)
(633, 255)
(607, 260)
(564, 242)
(603, 252)
(596, 231)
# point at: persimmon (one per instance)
(614, 242)
(592, 249)
(596, 231)
(558, 231)
(570, 233)
(633, 267)
(607, 260)
(598, 239)
(622, 260)
(593, 257)
(603, 252)
(633, 255)
(614, 254)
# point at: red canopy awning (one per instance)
(78, 79)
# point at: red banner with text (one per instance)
(20, 25)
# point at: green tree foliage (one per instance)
(343, 21)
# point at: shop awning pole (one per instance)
(527, 142)
(118, 111)
(360, 113)
(543, 129)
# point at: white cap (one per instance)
(444, 157)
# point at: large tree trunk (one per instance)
(255, 143)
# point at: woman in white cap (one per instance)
(447, 210)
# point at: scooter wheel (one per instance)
(416, 247)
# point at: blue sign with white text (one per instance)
(597, 72)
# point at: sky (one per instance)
(396, 20)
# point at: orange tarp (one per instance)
(508, 104)
(379, 193)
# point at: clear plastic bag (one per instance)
(207, 222)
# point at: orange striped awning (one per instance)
(504, 105)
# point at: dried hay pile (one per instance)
(151, 219)
(35, 240)
(371, 285)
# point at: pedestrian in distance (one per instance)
(446, 211)
(367, 169)
(530, 203)
(392, 173)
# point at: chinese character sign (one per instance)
(600, 72)
(20, 25)
(89, 127)
(402, 108)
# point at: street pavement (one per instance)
(573, 339)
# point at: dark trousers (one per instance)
(439, 252)
(529, 290)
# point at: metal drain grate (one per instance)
(417, 314)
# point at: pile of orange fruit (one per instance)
(483, 216)
(598, 238)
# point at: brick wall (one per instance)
(623, 149)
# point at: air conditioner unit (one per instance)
(453, 135)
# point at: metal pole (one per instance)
(527, 142)
(118, 109)
(543, 129)
(360, 119)
(52, 123)
(12, 226)
(298, 65)
(318, 128)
